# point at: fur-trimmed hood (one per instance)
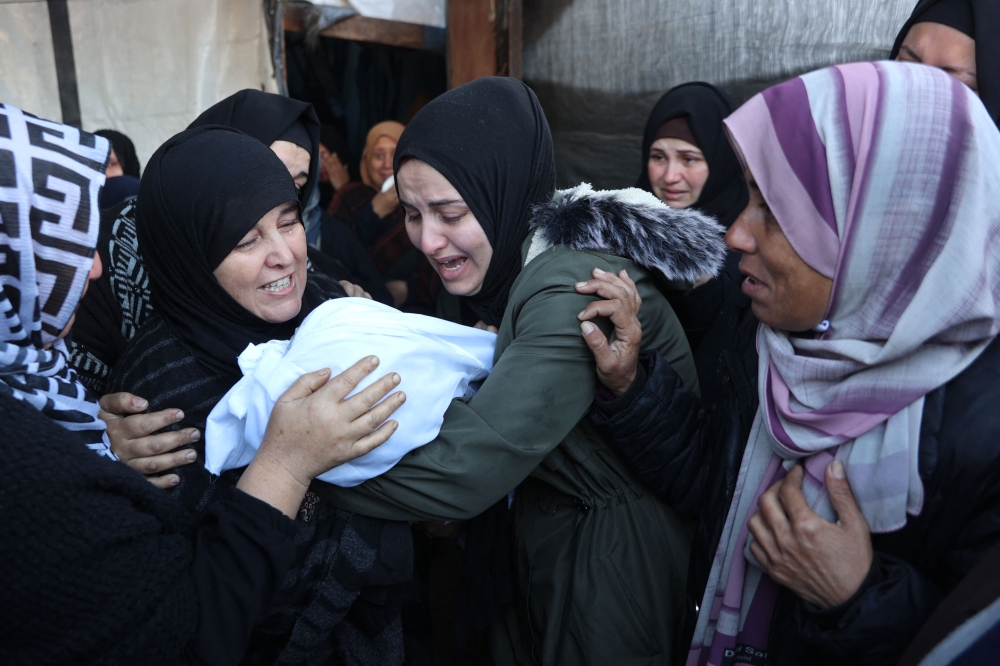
(682, 244)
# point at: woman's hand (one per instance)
(354, 290)
(618, 361)
(336, 171)
(822, 562)
(399, 290)
(482, 326)
(313, 428)
(385, 202)
(132, 440)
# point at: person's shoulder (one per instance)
(963, 416)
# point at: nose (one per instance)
(281, 252)
(674, 172)
(430, 239)
(97, 268)
(739, 238)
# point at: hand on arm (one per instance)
(130, 431)
(355, 290)
(483, 326)
(313, 428)
(822, 562)
(400, 291)
(336, 171)
(385, 202)
(617, 361)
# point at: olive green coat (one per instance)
(599, 563)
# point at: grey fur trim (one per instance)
(682, 244)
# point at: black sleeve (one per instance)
(882, 618)
(340, 243)
(872, 627)
(658, 427)
(241, 555)
(369, 225)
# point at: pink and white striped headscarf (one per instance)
(884, 177)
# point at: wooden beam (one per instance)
(472, 47)
(364, 29)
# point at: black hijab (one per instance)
(124, 151)
(704, 106)
(269, 118)
(491, 140)
(980, 20)
(203, 190)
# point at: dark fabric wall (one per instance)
(354, 85)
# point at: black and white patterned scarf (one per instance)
(50, 178)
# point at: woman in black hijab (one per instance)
(962, 37)
(696, 111)
(123, 160)
(712, 311)
(204, 192)
(119, 302)
(475, 174)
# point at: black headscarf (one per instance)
(269, 118)
(725, 193)
(491, 140)
(203, 190)
(980, 20)
(124, 151)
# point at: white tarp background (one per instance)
(144, 67)
(598, 66)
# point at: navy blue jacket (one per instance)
(691, 459)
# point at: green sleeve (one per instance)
(541, 386)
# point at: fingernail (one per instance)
(190, 455)
(395, 378)
(837, 469)
(581, 284)
(625, 272)
(374, 361)
(174, 480)
(581, 314)
(179, 415)
(587, 328)
(195, 436)
(598, 271)
(402, 397)
(139, 403)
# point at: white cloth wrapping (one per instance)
(436, 361)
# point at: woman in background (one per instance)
(688, 163)
(378, 220)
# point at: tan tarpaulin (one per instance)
(144, 67)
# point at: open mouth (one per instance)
(278, 285)
(453, 265)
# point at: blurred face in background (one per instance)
(677, 171)
(381, 159)
(296, 159)
(944, 47)
(114, 166)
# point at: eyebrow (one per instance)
(288, 209)
(911, 52)
(436, 203)
(950, 70)
(752, 184)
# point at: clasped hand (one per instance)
(822, 562)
